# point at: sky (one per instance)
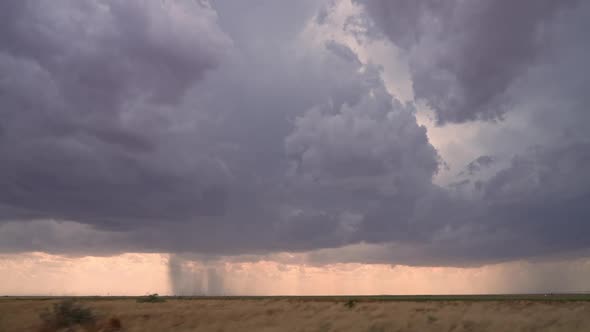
(294, 147)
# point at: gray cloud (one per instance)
(459, 184)
(170, 127)
(478, 164)
(466, 55)
(534, 207)
(130, 126)
(87, 86)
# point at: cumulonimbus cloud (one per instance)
(170, 126)
(466, 54)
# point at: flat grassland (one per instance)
(377, 313)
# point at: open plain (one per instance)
(432, 313)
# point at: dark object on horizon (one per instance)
(152, 298)
(350, 303)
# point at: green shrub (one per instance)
(114, 324)
(350, 303)
(152, 298)
(67, 313)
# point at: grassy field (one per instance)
(371, 313)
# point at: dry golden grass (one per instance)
(215, 315)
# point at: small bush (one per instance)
(350, 304)
(152, 298)
(66, 313)
(114, 325)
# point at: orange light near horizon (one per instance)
(140, 274)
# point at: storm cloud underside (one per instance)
(183, 126)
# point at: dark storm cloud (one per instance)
(536, 207)
(477, 165)
(179, 127)
(466, 54)
(459, 184)
(343, 51)
(145, 121)
(85, 85)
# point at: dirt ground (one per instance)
(311, 315)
